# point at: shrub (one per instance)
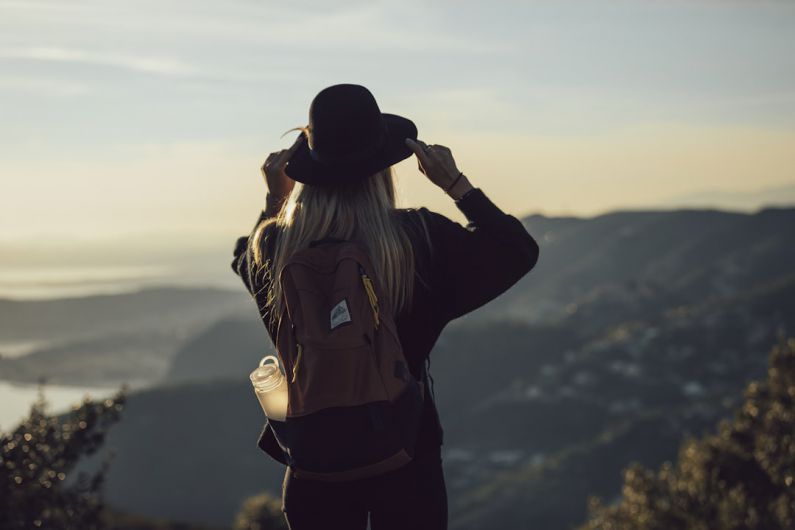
(742, 477)
(38, 456)
(260, 512)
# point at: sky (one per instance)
(151, 119)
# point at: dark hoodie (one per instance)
(466, 267)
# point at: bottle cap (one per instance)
(267, 376)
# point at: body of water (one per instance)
(52, 283)
(13, 349)
(16, 399)
(49, 283)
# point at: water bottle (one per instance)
(270, 386)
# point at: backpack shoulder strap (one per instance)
(426, 376)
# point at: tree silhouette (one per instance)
(742, 477)
(36, 464)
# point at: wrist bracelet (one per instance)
(455, 181)
(468, 192)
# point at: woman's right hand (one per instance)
(437, 163)
(279, 184)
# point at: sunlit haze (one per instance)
(144, 117)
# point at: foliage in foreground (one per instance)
(38, 457)
(260, 512)
(114, 519)
(742, 477)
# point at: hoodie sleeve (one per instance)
(474, 264)
(242, 255)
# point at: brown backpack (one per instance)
(354, 408)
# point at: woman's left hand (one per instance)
(279, 184)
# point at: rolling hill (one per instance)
(635, 329)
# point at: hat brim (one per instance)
(303, 168)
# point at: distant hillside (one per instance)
(136, 358)
(188, 452)
(110, 339)
(591, 273)
(637, 260)
(631, 394)
(635, 329)
(536, 417)
(746, 200)
(230, 348)
(78, 317)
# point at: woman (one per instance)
(433, 269)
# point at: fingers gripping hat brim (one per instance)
(302, 167)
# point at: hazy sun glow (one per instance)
(124, 118)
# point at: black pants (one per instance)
(412, 497)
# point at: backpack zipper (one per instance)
(371, 296)
(297, 361)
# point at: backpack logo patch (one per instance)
(339, 314)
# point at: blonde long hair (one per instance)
(363, 211)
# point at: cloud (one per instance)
(148, 64)
(48, 87)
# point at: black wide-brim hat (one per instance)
(348, 138)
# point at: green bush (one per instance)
(39, 455)
(742, 477)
